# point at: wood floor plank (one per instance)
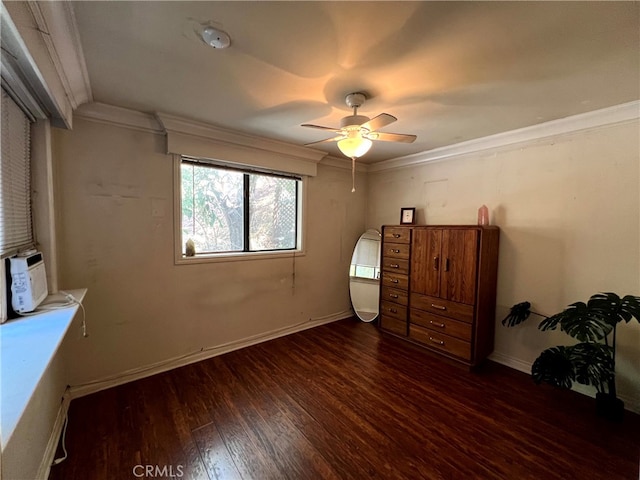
(299, 458)
(329, 443)
(321, 395)
(404, 439)
(214, 454)
(245, 437)
(342, 401)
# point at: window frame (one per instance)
(181, 259)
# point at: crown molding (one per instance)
(172, 123)
(56, 22)
(135, 120)
(617, 114)
(119, 117)
(27, 68)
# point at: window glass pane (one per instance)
(212, 208)
(273, 212)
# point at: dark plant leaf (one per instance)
(615, 308)
(551, 322)
(631, 304)
(593, 363)
(554, 366)
(518, 314)
(581, 321)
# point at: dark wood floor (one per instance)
(341, 401)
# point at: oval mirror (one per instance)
(364, 276)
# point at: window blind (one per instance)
(16, 229)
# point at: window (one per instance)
(15, 179)
(16, 230)
(366, 259)
(227, 210)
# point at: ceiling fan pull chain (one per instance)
(353, 174)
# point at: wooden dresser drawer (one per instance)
(438, 323)
(394, 310)
(396, 250)
(397, 265)
(438, 341)
(395, 280)
(397, 234)
(455, 310)
(394, 325)
(394, 295)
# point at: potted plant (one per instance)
(592, 360)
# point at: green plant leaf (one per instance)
(518, 314)
(555, 367)
(552, 322)
(615, 308)
(581, 321)
(593, 364)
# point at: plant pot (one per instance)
(609, 407)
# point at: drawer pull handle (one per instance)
(395, 250)
(439, 307)
(436, 263)
(435, 340)
(396, 235)
(446, 265)
(393, 310)
(435, 324)
(394, 265)
(394, 280)
(393, 295)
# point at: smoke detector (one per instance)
(216, 38)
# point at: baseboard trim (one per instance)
(54, 438)
(511, 362)
(630, 403)
(78, 391)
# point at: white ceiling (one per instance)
(450, 71)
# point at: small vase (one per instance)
(483, 215)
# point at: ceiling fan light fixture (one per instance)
(354, 146)
(356, 132)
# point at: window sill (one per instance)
(28, 346)
(235, 257)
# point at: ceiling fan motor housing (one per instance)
(353, 121)
(355, 100)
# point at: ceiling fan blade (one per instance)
(320, 127)
(392, 137)
(378, 122)
(326, 140)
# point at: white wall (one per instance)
(141, 308)
(569, 212)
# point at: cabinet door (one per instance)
(459, 265)
(426, 261)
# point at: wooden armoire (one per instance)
(438, 288)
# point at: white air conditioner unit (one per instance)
(28, 282)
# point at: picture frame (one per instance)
(408, 216)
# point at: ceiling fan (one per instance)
(356, 132)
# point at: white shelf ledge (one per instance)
(27, 346)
